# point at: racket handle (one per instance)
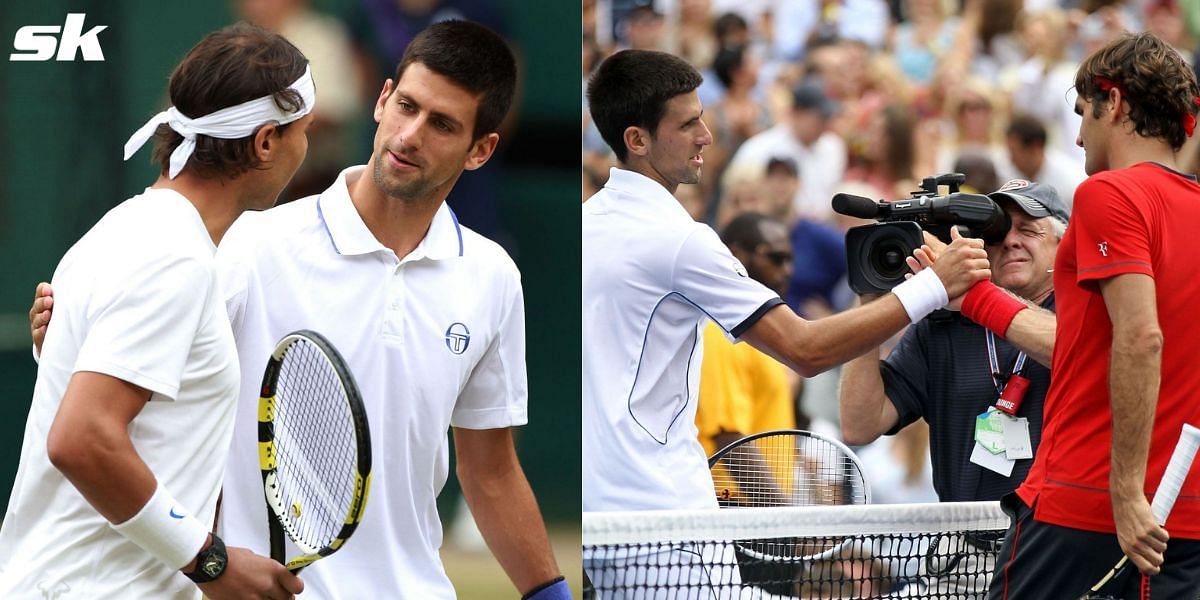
(1111, 584)
(1176, 473)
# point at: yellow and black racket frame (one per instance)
(267, 455)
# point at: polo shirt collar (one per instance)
(649, 193)
(350, 235)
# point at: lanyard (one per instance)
(1011, 391)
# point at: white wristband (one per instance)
(164, 529)
(922, 294)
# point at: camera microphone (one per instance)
(858, 206)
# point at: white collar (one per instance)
(650, 194)
(350, 235)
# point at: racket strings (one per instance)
(316, 448)
(788, 470)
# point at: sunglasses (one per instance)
(779, 257)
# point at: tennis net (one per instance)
(933, 551)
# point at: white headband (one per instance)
(230, 123)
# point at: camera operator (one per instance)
(950, 371)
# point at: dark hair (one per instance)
(745, 230)
(474, 58)
(230, 66)
(1154, 79)
(727, 24)
(979, 169)
(782, 164)
(1028, 130)
(726, 62)
(899, 125)
(631, 89)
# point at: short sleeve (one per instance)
(1111, 235)
(142, 323)
(707, 275)
(496, 392)
(905, 378)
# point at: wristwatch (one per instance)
(210, 563)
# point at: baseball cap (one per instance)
(1035, 199)
(810, 95)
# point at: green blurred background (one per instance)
(62, 126)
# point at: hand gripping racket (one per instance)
(1164, 500)
(314, 448)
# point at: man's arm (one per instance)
(810, 347)
(503, 505)
(1134, 376)
(866, 412)
(864, 408)
(89, 444)
(1032, 331)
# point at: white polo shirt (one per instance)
(135, 298)
(650, 277)
(400, 323)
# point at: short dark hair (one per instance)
(745, 230)
(230, 66)
(474, 58)
(1028, 130)
(727, 24)
(781, 164)
(726, 62)
(631, 89)
(1159, 86)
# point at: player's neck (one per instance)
(1130, 149)
(211, 197)
(398, 224)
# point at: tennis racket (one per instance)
(787, 468)
(314, 449)
(1164, 500)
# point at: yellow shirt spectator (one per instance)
(742, 391)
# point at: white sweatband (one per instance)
(164, 529)
(921, 294)
(229, 123)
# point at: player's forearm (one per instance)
(1134, 376)
(89, 444)
(1032, 330)
(508, 517)
(812, 347)
(106, 470)
(862, 399)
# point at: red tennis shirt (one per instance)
(1142, 219)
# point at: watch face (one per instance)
(213, 566)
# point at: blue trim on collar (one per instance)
(328, 231)
(457, 229)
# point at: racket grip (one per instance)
(1176, 473)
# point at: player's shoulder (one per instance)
(279, 224)
(480, 250)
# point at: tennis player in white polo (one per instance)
(133, 408)
(429, 316)
(651, 276)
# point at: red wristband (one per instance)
(991, 307)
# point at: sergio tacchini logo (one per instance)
(458, 338)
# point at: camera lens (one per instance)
(887, 258)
